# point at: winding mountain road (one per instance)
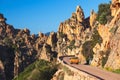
(94, 71)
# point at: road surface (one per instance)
(94, 71)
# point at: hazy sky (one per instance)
(43, 15)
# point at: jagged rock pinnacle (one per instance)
(93, 17)
(80, 14)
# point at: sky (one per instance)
(43, 15)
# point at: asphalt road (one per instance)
(94, 71)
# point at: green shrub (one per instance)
(117, 71)
(71, 46)
(102, 18)
(73, 27)
(68, 71)
(39, 70)
(104, 13)
(104, 59)
(15, 48)
(96, 38)
(8, 41)
(72, 43)
(111, 70)
(62, 35)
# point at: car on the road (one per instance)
(74, 60)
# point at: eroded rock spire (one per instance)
(80, 14)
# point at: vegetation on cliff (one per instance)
(104, 13)
(89, 45)
(38, 70)
(75, 36)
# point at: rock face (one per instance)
(52, 39)
(114, 58)
(73, 33)
(113, 61)
(49, 48)
(115, 7)
(101, 50)
(18, 49)
(73, 26)
(93, 17)
(107, 53)
(47, 53)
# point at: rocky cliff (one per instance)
(114, 56)
(78, 37)
(74, 26)
(90, 40)
(18, 49)
(107, 53)
(85, 38)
